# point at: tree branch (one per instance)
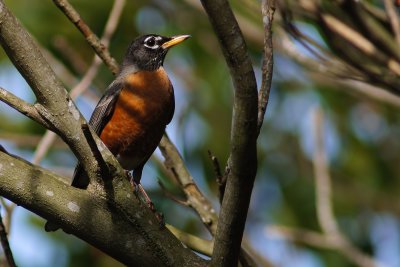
(360, 42)
(325, 215)
(335, 72)
(202, 246)
(393, 18)
(22, 107)
(319, 240)
(91, 38)
(116, 223)
(219, 177)
(242, 163)
(5, 244)
(268, 10)
(195, 199)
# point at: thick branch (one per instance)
(242, 163)
(115, 223)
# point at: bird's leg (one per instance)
(136, 188)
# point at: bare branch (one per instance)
(91, 38)
(195, 198)
(115, 223)
(43, 146)
(334, 72)
(6, 245)
(219, 177)
(242, 163)
(200, 245)
(325, 215)
(9, 209)
(393, 18)
(268, 10)
(172, 196)
(360, 42)
(22, 107)
(319, 240)
(322, 180)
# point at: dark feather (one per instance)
(101, 115)
(172, 107)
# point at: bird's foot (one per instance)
(136, 188)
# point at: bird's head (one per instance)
(147, 52)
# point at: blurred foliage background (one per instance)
(361, 131)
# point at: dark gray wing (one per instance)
(104, 109)
(101, 115)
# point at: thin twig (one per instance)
(70, 54)
(200, 245)
(172, 196)
(174, 162)
(9, 209)
(334, 72)
(393, 18)
(91, 38)
(26, 140)
(268, 10)
(325, 215)
(5, 244)
(322, 180)
(319, 240)
(219, 177)
(360, 42)
(43, 146)
(22, 107)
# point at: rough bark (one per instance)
(242, 162)
(115, 222)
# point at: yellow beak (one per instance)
(174, 41)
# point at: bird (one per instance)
(133, 113)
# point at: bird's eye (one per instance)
(150, 42)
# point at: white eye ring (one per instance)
(152, 46)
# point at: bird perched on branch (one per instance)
(132, 115)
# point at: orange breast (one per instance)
(142, 111)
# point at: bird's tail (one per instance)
(80, 178)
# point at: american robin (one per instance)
(132, 115)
